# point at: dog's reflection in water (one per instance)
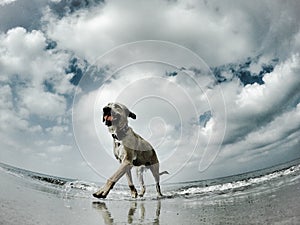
(132, 216)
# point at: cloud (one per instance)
(4, 2)
(16, 13)
(26, 66)
(43, 104)
(262, 120)
(236, 30)
(59, 149)
(98, 30)
(34, 103)
(279, 92)
(277, 131)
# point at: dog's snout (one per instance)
(107, 118)
(106, 110)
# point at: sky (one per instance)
(215, 84)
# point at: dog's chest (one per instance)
(119, 150)
(133, 142)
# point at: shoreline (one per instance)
(26, 202)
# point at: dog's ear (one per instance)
(132, 115)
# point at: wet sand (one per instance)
(25, 202)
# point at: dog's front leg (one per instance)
(103, 192)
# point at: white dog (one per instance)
(130, 149)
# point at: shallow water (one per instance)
(270, 196)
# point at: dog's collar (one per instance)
(119, 135)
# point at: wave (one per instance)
(272, 180)
(253, 182)
(22, 173)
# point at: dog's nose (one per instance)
(106, 110)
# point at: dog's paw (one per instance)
(134, 194)
(133, 191)
(100, 194)
(143, 190)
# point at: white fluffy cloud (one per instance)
(43, 103)
(280, 91)
(33, 103)
(26, 66)
(262, 122)
(220, 32)
(201, 27)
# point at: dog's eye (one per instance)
(118, 107)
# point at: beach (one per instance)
(28, 201)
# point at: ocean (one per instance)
(269, 196)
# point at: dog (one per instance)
(130, 149)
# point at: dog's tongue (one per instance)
(108, 118)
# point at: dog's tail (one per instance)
(164, 172)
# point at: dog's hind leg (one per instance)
(130, 184)
(103, 192)
(140, 171)
(155, 172)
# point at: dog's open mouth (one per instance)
(107, 117)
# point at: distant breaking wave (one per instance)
(35, 176)
(273, 180)
(252, 182)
